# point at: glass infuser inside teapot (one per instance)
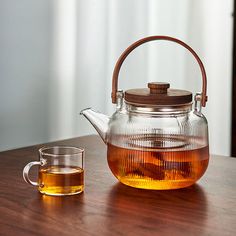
(154, 139)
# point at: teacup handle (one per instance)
(202, 96)
(26, 172)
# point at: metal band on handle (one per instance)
(152, 38)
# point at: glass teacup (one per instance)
(61, 171)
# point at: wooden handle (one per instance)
(152, 38)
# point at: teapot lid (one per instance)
(158, 93)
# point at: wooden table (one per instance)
(110, 208)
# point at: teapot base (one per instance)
(156, 185)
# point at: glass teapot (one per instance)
(154, 139)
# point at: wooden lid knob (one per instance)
(158, 87)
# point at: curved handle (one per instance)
(151, 38)
(26, 172)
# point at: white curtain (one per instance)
(86, 37)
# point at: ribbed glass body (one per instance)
(156, 148)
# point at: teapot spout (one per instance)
(98, 120)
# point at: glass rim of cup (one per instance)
(44, 148)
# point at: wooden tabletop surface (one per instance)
(110, 208)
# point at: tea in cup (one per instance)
(61, 171)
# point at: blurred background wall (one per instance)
(57, 57)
